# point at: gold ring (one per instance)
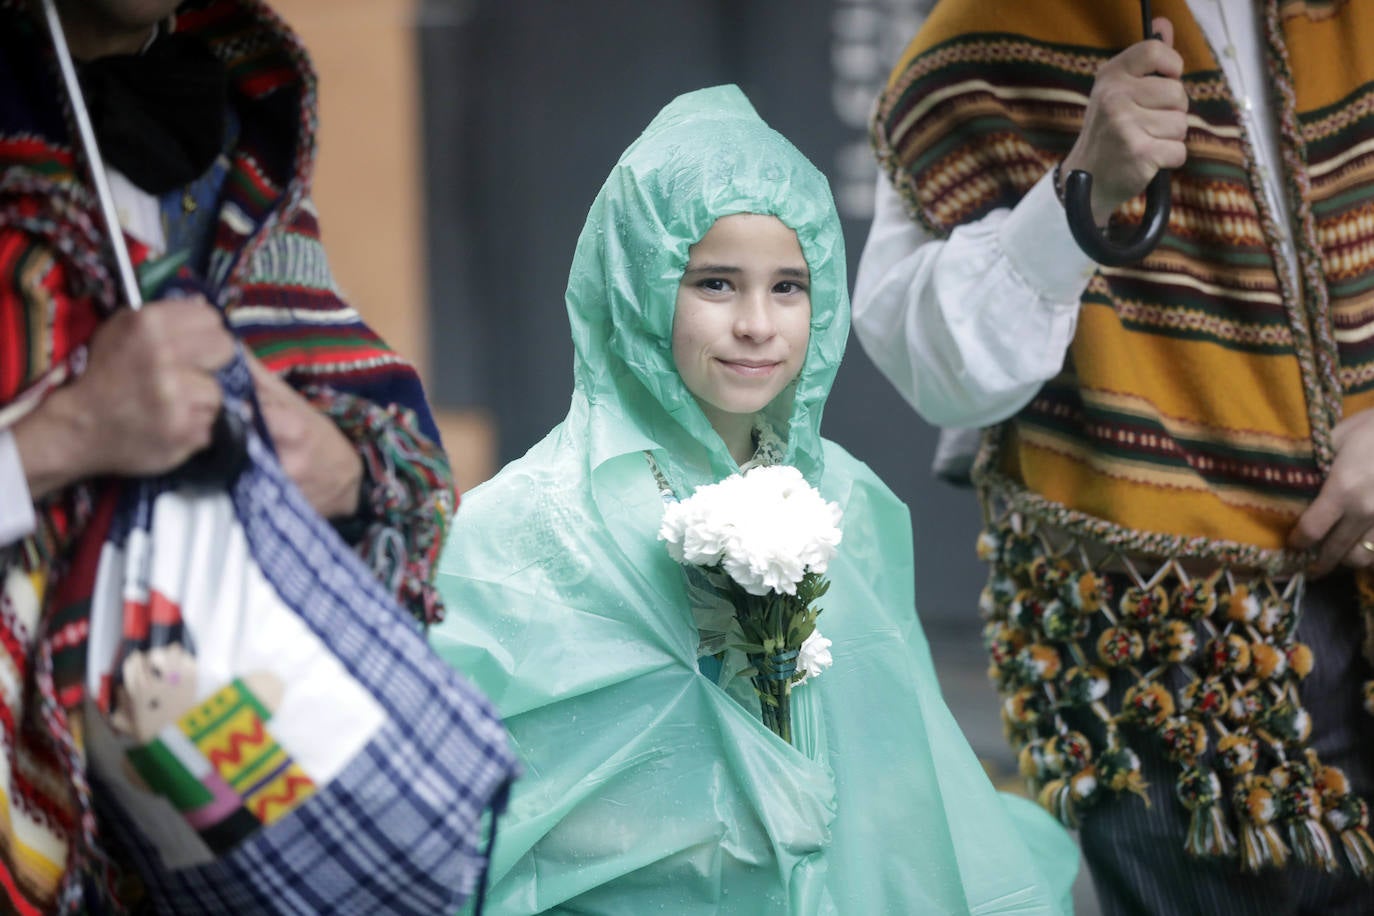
(1368, 545)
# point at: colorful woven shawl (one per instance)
(1198, 398)
(1191, 423)
(268, 270)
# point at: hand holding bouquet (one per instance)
(767, 537)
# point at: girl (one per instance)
(709, 313)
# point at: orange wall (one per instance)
(368, 184)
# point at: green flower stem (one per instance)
(774, 626)
(774, 685)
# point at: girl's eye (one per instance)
(788, 287)
(714, 284)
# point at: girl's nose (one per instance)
(755, 319)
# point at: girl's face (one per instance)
(743, 317)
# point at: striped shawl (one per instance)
(267, 270)
(1195, 409)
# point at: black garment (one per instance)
(159, 115)
(1136, 855)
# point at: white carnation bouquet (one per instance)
(765, 537)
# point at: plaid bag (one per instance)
(267, 730)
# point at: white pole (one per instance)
(128, 281)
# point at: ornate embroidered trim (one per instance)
(1089, 662)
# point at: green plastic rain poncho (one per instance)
(648, 788)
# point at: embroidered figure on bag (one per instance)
(214, 760)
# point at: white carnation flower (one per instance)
(673, 529)
(813, 657)
(767, 528)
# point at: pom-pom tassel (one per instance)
(1261, 846)
(1199, 790)
(1311, 844)
(1065, 797)
(1359, 851)
(1347, 816)
(1208, 835)
(1119, 768)
(1031, 761)
(1056, 798)
(1300, 811)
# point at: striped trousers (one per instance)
(1135, 853)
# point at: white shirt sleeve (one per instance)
(969, 328)
(17, 519)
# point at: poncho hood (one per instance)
(708, 154)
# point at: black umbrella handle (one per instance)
(1078, 192)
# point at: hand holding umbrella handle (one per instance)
(1078, 188)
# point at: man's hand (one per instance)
(1341, 518)
(312, 451)
(145, 403)
(1136, 122)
